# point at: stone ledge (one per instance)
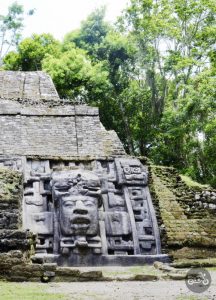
(189, 263)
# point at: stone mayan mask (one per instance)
(78, 195)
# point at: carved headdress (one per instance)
(76, 182)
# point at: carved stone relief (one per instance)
(100, 208)
(77, 197)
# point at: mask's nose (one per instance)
(80, 208)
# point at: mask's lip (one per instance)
(80, 219)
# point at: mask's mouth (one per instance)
(80, 220)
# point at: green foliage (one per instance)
(117, 54)
(193, 184)
(12, 61)
(91, 33)
(152, 76)
(11, 26)
(30, 53)
(186, 135)
(176, 42)
(74, 74)
(111, 54)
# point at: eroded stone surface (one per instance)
(35, 121)
(10, 197)
(85, 205)
(27, 85)
(90, 213)
(70, 195)
(188, 229)
(60, 131)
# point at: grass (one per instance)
(129, 271)
(211, 268)
(27, 291)
(193, 184)
(191, 298)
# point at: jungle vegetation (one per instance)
(152, 75)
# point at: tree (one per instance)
(11, 26)
(152, 76)
(115, 54)
(91, 33)
(75, 76)
(31, 52)
(176, 42)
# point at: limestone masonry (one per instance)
(71, 196)
(34, 121)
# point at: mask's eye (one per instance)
(68, 204)
(85, 187)
(61, 188)
(89, 203)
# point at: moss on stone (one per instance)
(187, 230)
(193, 184)
(194, 263)
(10, 185)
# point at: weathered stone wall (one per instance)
(27, 85)
(36, 125)
(16, 245)
(34, 121)
(10, 198)
(186, 215)
(15, 240)
(14, 266)
(58, 131)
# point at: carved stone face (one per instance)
(78, 193)
(79, 215)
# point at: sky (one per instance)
(58, 17)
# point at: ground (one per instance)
(126, 290)
(163, 290)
